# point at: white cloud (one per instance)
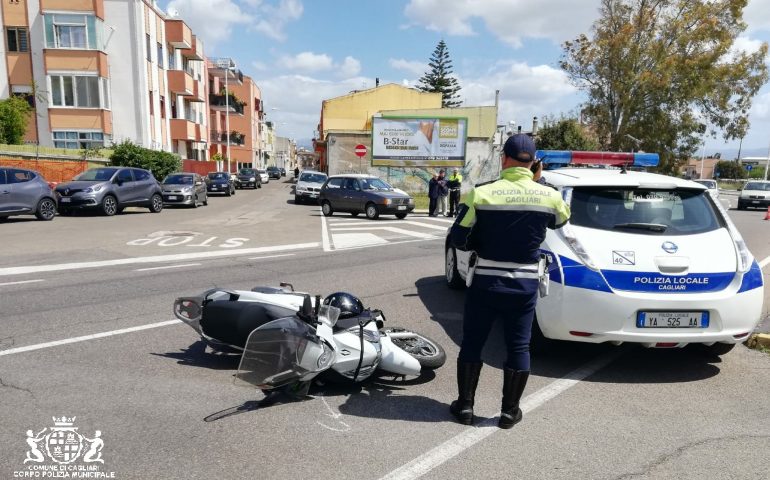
(350, 67)
(306, 62)
(509, 20)
(760, 109)
(273, 18)
(414, 67)
(757, 15)
(744, 45)
(212, 20)
(259, 66)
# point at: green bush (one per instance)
(160, 163)
(14, 112)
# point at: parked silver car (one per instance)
(25, 192)
(185, 189)
(110, 190)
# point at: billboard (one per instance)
(418, 141)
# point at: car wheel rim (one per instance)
(370, 211)
(326, 208)
(47, 209)
(156, 203)
(109, 206)
(450, 264)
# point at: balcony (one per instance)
(178, 34)
(182, 129)
(197, 94)
(181, 82)
(221, 103)
(236, 138)
(195, 52)
(224, 67)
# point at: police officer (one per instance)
(503, 223)
(454, 183)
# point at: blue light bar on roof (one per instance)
(569, 157)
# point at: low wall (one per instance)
(199, 167)
(52, 170)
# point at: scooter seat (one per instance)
(232, 322)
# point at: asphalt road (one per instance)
(166, 408)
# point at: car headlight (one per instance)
(252, 179)
(411, 200)
(93, 189)
(387, 201)
(187, 189)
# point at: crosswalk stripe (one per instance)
(442, 220)
(399, 223)
(389, 229)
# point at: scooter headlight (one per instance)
(326, 358)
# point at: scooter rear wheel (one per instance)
(428, 352)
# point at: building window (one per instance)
(78, 140)
(25, 92)
(73, 31)
(160, 55)
(171, 58)
(152, 105)
(17, 39)
(162, 106)
(149, 47)
(79, 91)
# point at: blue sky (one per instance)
(302, 52)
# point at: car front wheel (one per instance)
(372, 212)
(109, 205)
(327, 209)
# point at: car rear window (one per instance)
(707, 183)
(645, 211)
(312, 177)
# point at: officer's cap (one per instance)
(520, 147)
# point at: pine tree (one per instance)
(438, 79)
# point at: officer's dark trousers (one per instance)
(454, 201)
(516, 311)
(432, 205)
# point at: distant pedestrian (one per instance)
(454, 183)
(443, 194)
(433, 191)
(296, 172)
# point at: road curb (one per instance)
(758, 340)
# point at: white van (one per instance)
(645, 258)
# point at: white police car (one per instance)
(645, 258)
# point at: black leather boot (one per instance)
(514, 382)
(467, 380)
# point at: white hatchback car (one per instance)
(712, 186)
(645, 258)
(755, 194)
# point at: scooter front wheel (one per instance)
(428, 352)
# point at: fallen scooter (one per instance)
(287, 338)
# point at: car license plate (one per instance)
(172, 197)
(755, 201)
(672, 320)
(402, 207)
(65, 200)
(214, 187)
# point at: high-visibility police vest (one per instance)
(504, 222)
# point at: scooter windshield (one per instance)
(281, 352)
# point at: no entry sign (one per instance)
(360, 150)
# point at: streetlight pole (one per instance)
(227, 118)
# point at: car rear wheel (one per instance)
(156, 203)
(401, 215)
(109, 205)
(719, 349)
(327, 209)
(46, 209)
(453, 278)
(372, 212)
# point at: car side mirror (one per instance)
(118, 182)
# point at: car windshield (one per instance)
(261, 171)
(707, 183)
(246, 171)
(757, 186)
(97, 174)
(178, 180)
(219, 176)
(273, 169)
(374, 184)
(312, 177)
(676, 211)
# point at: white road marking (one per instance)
(390, 229)
(19, 283)
(442, 220)
(324, 232)
(154, 259)
(351, 240)
(167, 266)
(272, 256)
(395, 223)
(66, 341)
(471, 436)
(764, 262)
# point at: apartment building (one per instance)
(236, 113)
(98, 71)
